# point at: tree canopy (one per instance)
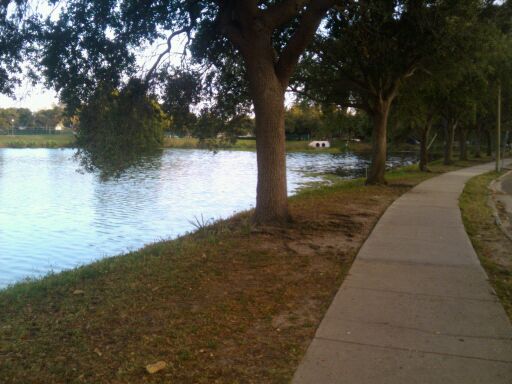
(118, 127)
(17, 32)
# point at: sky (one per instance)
(34, 98)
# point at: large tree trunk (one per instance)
(268, 95)
(463, 147)
(379, 154)
(450, 136)
(424, 147)
(251, 28)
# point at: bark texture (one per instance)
(380, 114)
(268, 96)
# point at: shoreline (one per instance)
(67, 141)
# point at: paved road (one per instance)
(417, 306)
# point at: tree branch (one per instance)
(228, 27)
(153, 69)
(283, 12)
(309, 23)
(345, 103)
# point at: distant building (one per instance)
(59, 127)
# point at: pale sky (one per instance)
(31, 97)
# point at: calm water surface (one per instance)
(53, 217)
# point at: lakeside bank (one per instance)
(337, 146)
(68, 141)
(229, 301)
(37, 141)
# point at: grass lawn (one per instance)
(229, 303)
(36, 141)
(68, 140)
(492, 246)
(291, 146)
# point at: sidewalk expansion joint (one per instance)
(491, 299)
(433, 333)
(471, 262)
(414, 350)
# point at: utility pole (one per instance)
(498, 132)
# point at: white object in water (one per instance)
(320, 144)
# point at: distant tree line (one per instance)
(24, 120)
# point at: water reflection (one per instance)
(53, 217)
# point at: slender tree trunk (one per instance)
(463, 147)
(424, 146)
(268, 96)
(379, 153)
(450, 136)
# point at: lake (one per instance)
(53, 217)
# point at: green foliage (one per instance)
(119, 128)
(22, 120)
(322, 122)
(180, 90)
(461, 81)
(371, 47)
(46, 118)
(215, 133)
(17, 32)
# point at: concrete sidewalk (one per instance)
(417, 306)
